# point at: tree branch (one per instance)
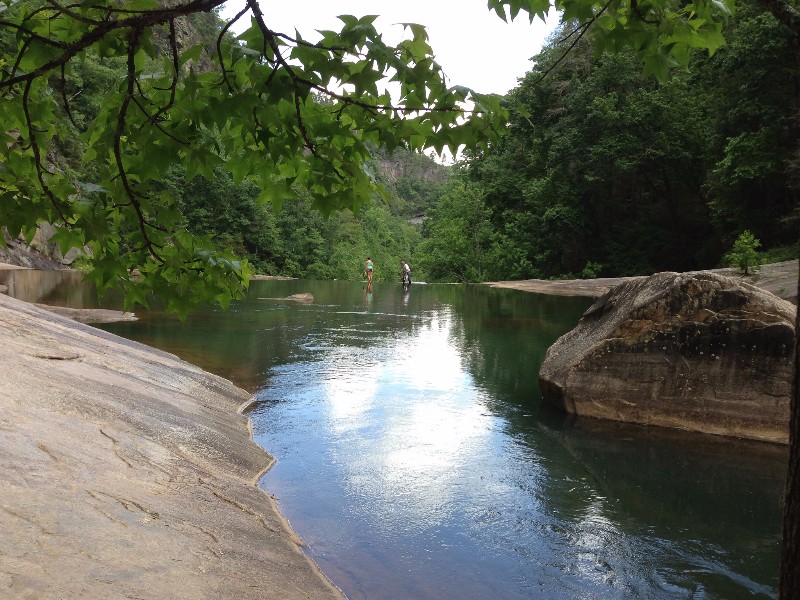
(584, 27)
(72, 14)
(64, 96)
(173, 46)
(221, 35)
(37, 155)
(133, 40)
(139, 22)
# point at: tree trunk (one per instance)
(789, 583)
(789, 586)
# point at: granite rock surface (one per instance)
(696, 351)
(129, 473)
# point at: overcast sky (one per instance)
(473, 45)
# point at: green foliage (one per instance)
(295, 120)
(779, 254)
(603, 167)
(600, 160)
(749, 185)
(592, 270)
(459, 244)
(744, 254)
(100, 99)
(661, 32)
(378, 234)
(296, 241)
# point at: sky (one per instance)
(473, 45)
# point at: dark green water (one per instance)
(416, 459)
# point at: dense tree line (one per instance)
(607, 172)
(299, 241)
(603, 171)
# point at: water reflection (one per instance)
(58, 288)
(448, 478)
(416, 460)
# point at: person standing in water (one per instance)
(406, 274)
(368, 269)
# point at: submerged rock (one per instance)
(90, 315)
(304, 297)
(696, 351)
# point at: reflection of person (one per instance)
(368, 269)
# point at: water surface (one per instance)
(416, 458)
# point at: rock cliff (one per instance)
(35, 256)
(696, 351)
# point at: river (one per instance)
(416, 459)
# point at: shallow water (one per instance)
(416, 459)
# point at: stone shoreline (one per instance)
(129, 473)
(778, 278)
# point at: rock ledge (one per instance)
(696, 351)
(128, 473)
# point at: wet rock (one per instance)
(697, 351)
(90, 315)
(305, 297)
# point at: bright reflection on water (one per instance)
(416, 459)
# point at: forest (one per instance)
(605, 172)
(602, 171)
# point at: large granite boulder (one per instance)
(696, 351)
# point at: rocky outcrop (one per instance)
(696, 351)
(35, 256)
(128, 473)
(43, 242)
(778, 278)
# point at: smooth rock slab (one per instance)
(696, 351)
(128, 473)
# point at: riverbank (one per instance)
(778, 278)
(131, 473)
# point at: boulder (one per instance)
(696, 351)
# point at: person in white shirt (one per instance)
(406, 272)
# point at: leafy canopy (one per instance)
(286, 114)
